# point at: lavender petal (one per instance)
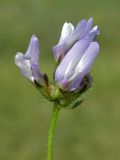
(24, 65)
(68, 64)
(84, 65)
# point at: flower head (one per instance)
(28, 62)
(74, 53)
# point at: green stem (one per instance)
(51, 131)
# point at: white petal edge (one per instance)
(95, 29)
(86, 60)
(24, 65)
(67, 29)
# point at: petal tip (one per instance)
(90, 19)
(34, 38)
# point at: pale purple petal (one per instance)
(68, 64)
(33, 48)
(24, 65)
(59, 50)
(93, 33)
(80, 29)
(95, 30)
(84, 65)
(88, 27)
(38, 76)
(27, 74)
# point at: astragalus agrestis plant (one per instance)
(74, 55)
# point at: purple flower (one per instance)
(28, 62)
(77, 50)
(74, 54)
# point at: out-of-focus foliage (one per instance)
(89, 132)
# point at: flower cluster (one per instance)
(74, 54)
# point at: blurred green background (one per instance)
(90, 132)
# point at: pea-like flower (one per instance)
(28, 62)
(74, 54)
(77, 50)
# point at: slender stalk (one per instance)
(51, 131)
